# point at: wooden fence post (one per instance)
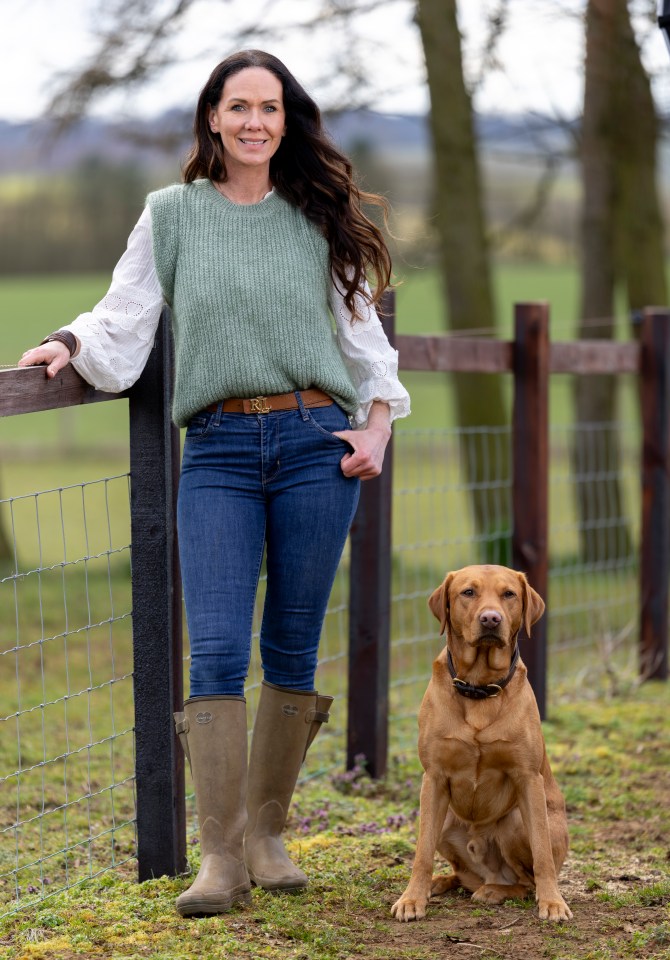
(157, 617)
(530, 494)
(370, 609)
(655, 480)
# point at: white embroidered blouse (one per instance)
(117, 335)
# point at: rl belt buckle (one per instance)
(259, 405)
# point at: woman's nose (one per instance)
(254, 121)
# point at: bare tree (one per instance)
(464, 258)
(135, 41)
(639, 224)
(621, 242)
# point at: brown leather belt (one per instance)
(280, 401)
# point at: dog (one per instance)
(489, 802)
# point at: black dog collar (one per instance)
(488, 689)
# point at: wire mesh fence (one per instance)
(66, 730)
(66, 733)
(592, 605)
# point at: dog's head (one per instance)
(486, 605)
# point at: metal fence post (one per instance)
(370, 609)
(655, 480)
(157, 636)
(530, 496)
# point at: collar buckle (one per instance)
(486, 691)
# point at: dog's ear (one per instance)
(533, 604)
(438, 602)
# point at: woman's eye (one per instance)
(270, 109)
(238, 107)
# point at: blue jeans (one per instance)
(251, 482)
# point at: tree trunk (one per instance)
(465, 268)
(603, 529)
(640, 233)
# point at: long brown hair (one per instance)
(309, 171)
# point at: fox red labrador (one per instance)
(489, 802)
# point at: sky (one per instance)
(541, 51)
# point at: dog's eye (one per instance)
(468, 592)
(508, 594)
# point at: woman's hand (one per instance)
(55, 354)
(369, 444)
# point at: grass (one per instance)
(67, 688)
(355, 838)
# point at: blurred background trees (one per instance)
(73, 222)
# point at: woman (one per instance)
(260, 246)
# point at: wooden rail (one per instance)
(29, 390)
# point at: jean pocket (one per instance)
(326, 420)
(199, 426)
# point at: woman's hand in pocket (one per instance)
(369, 445)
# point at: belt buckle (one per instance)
(259, 405)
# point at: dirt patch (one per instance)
(458, 929)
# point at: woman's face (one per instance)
(249, 118)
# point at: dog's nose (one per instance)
(490, 618)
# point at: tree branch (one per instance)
(111, 66)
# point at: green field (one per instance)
(432, 523)
(33, 306)
(58, 448)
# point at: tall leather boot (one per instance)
(286, 723)
(213, 732)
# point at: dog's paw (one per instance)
(408, 908)
(444, 883)
(487, 893)
(555, 910)
(496, 893)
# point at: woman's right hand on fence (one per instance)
(55, 354)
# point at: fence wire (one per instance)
(438, 476)
(66, 730)
(593, 591)
(67, 797)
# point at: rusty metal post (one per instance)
(370, 609)
(530, 495)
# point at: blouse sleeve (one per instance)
(370, 359)
(117, 335)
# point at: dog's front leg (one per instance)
(433, 810)
(533, 806)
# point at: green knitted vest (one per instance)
(248, 287)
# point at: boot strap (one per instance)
(180, 723)
(317, 716)
(181, 726)
(320, 713)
